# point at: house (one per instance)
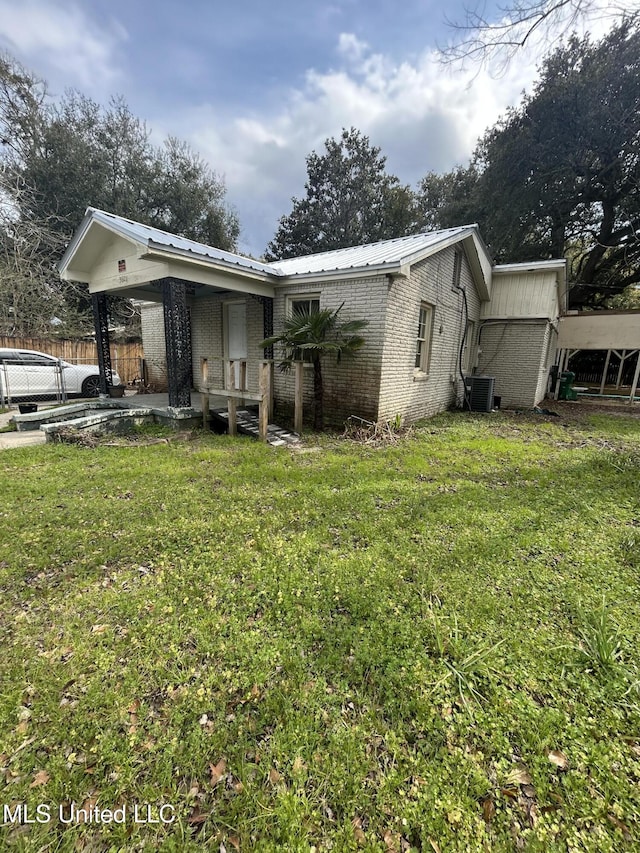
(437, 309)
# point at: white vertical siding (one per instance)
(523, 294)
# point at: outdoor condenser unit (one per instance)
(479, 393)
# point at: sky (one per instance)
(255, 87)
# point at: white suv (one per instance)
(27, 373)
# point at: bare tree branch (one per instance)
(493, 43)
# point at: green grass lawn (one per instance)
(431, 645)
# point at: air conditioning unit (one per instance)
(479, 393)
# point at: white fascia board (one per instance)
(69, 275)
(63, 265)
(476, 252)
(156, 252)
(508, 318)
(373, 271)
(70, 251)
(558, 264)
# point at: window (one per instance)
(304, 304)
(38, 360)
(423, 344)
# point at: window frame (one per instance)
(422, 360)
(294, 298)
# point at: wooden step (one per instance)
(248, 425)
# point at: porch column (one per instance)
(623, 358)
(605, 371)
(101, 323)
(267, 322)
(177, 343)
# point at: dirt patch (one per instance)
(579, 411)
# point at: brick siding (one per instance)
(152, 318)
(403, 391)
(518, 355)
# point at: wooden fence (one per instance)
(126, 359)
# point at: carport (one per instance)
(615, 332)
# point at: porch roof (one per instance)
(112, 253)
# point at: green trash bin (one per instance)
(566, 392)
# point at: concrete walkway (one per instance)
(10, 440)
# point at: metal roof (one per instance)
(395, 252)
(155, 238)
(382, 256)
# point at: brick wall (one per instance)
(208, 337)
(403, 390)
(518, 355)
(380, 380)
(351, 387)
(152, 318)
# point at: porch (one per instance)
(119, 258)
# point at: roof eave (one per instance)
(397, 268)
(171, 253)
(75, 241)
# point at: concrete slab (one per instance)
(11, 440)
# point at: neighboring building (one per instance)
(436, 309)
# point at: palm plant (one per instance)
(310, 335)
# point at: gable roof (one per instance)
(391, 257)
(154, 239)
(398, 251)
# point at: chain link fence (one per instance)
(28, 377)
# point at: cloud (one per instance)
(63, 43)
(422, 116)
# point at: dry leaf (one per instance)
(218, 771)
(358, 832)
(41, 778)
(238, 787)
(99, 629)
(197, 817)
(392, 841)
(134, 707)
(234, 841)
(274, 776)
(488, 809)
(519, 776)
(624, 829)
(298, 764)
(89, 804)
(512, 793)
(559, 759)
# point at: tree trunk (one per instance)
(318, 395)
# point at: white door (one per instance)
(237, 334)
